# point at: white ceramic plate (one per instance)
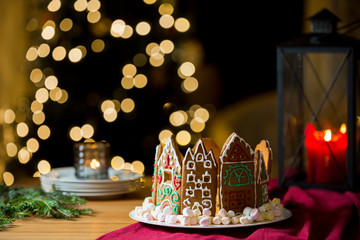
(64, 180)
(67, 175)
(286, 214)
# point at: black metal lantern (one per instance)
(318, 107)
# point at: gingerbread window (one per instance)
(190, 192)
(207, 164)
(206, 193)
(167, 177)
(190, 165)
(198, 185)
(206, 178)
(199, 157)
(190, 177)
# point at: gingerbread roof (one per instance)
(200, 147)
(172, 147)
(235, 149)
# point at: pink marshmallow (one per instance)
(254, 213)
(148, 216)
(206, 212)
(204, 222)
(277, 212)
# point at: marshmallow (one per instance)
(137, 209)
(143, 211)
(150, 206)
(197, 212)
(261, 217)
(216, 220)
(262, 209)
(254, 213)
(148, 216)
(188, 212)
(247, 210)
(185, 220)
(269, 215)
(277, 211)
(168, 210)
(193, 221)
(235, 219)
(206, 212)
(267, 206)
(244, 220)
(222, 212)
(204, 222)
(155, 214)
(230, 213)
(148, 200)
(161, 217)
(276, 201)
(171, 219)
(225, 220)
(159, 209)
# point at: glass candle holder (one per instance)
(91, 160)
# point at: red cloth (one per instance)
(317, 214)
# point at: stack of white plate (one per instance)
(119, 182)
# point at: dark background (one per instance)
(239, 62)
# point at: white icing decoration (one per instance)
(199, 156)
(186, 202)
(207, 203)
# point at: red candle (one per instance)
(326, 155)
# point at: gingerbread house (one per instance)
(199, 173)
(167, 177)
(237, 185)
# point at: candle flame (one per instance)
(327, 136)
(343, 128)
(94, 164)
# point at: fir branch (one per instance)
(18, 203)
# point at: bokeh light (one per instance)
(44, 167)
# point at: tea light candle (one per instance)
(91, 160)
(326, 155)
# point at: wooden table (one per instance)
(108, 216)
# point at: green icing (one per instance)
(173, 200)
(238, 175)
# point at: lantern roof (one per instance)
(325, 14)
(324, 22)
(323, 34)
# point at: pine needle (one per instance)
(18, 203)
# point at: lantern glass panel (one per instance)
(315, 96)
